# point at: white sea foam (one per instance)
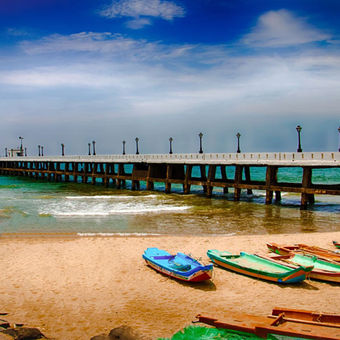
(105, 206)
(115, 234)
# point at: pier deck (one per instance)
(178, 169)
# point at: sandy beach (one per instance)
(78, 287)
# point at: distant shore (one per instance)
(77, 287)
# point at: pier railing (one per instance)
(254, 158)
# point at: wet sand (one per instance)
(77, 287)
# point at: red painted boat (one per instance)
(321, 253)
(277, 324)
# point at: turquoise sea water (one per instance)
(33, 206)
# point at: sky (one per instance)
(111, 70)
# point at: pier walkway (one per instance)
(178, 169)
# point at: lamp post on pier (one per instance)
(200, 135)
(5, 152)
(298, 129)
(170, 140)
(39, 148)
(137, 140)
(238, 135)
(42, 151)
(62, 149)
(89, 145)
(339, 138)
(21, 149)
(124, 147)
(93, 147)
(25, 152)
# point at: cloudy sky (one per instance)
(112, 70)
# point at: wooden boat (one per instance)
(322, 253)
(179, 266)
(336, 244)
(262, 326)
(308, 316)
(323, 270)
(260, 268)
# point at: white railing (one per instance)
(291, 158)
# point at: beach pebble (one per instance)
(24, 333)
(100, 337)
(123, 333)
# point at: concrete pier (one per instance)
(178, 169)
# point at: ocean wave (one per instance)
(116, 234)
(119, 211)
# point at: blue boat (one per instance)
(179, 266)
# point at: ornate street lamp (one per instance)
(339, 137)
(298, 129)
(200, 135)
(62, 149)
(170, 140)
(6, 155)
(42, 151)
(137, 140)
(21, 149)
(25, 152)
(89, 145)
(39, 148)
(238, 135)
(124, 147)
(93, 147)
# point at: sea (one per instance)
(41, 207)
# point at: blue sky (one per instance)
(82, 70)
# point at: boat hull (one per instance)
(330, 275)
(179, 266)
(198, 276)
(285, 275)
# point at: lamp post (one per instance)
(170, 140)
(21, 149)
(42, 151)
(39, 148)
(5, 152)
(62, 149)
(298, 129)
(93, 147)
(238, 135)
(137, 140)
(124, 147)
(25, 152)
(200, 135)
(339, 138)
(89, 145)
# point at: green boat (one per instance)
(258, 267)
(323, 270)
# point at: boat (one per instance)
(280, 324)
(323, 270)
(321, 253)
(336, 244)
(308, 316)
(179, 266)
(260, 268)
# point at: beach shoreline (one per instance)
(73, 287)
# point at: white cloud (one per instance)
(138, 23)
(281, 29)
(142, 11)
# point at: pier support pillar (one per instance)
(238, 180)
(271, 179)
(277, 196)
(167, 180)
(306, 183)
(248, 178)
(186, 185)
